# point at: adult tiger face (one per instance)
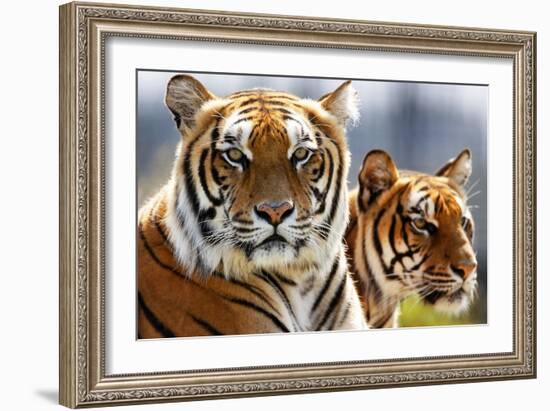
(415, 234)
(260, 178)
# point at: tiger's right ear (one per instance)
(377, 174)
(185, 95)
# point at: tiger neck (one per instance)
(381, 309)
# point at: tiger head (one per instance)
(260, 178)
(417, 231)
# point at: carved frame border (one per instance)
(83, 30)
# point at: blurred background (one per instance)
(421, 125)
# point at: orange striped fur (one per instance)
(245, 237)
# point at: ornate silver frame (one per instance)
(83, 30)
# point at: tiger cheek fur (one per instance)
(246, 235)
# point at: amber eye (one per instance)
(301, 154)
(421, 224)
(235, 155)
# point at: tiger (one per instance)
(246, 235)
(411, 233)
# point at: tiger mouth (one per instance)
(436, 295)
(272, 240)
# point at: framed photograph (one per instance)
(260, 204)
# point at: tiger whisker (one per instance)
(472, 186)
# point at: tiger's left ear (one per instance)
(458, 169)
(342, 103)
(185, 95)
(378, 173)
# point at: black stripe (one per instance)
(177, 117)
(259, 309)
(160, 229)
(438, 203)
(392, 235)
(333, 302)
(243, 118)
(206, 325)
(189, 183)
(382, 321)
(282, 110)
(372, 289)
(213, 170)
(417, 266)
(188, 180)
(327, 284)
(245, 230)
(249, 101)
(280, 103)
(344, 316)
(241, 221)
(162, 233)
(316, 193)
(404, 221)
(351, 225)
(300, 226)
(154, 256)
(258, 292)
(153, 320)
(288, 117)
(270, 97)
(243, 93)
(204, 217)
(376, 239)
(321, 208)
(216, 201)
(423, 198)
(246, 110)
(320, 172)
(309, 284)
(268, 278)
(285, 280)
(336, 197)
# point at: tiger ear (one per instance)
(458, 169)
(342, 103)
(184, 97)
(378, 173)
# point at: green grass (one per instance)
(414, 313)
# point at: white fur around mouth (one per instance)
(456, 302)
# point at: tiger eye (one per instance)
(420, 223)
(300, 154)
(235, 155)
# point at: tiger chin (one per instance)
(246, 236)
(411, 234)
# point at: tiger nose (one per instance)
(274, 213)
(465, 268)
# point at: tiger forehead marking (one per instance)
(265, 117)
